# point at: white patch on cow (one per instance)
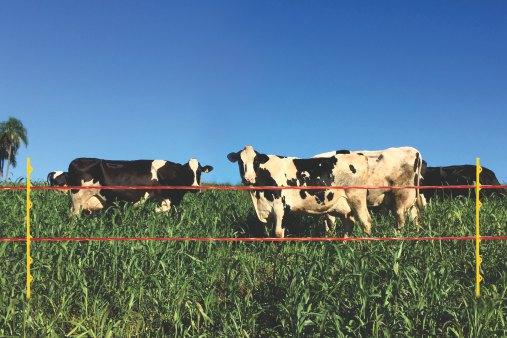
(247, 156)
(57, 173)
(194, 166)
(165, 206)
(155, 166)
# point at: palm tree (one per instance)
(12, 135)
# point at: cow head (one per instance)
(249, 161)
(196, 169)
(57, 178)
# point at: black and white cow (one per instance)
(57, 179)
(457, 175)
(258, 169)
(99, 172)
(392, 167)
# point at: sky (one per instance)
(174, 80)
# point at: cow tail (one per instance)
(420, 199)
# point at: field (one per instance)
(103, 289)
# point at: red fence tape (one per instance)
(251, 239)
(254, 188)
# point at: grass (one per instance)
(104, 289)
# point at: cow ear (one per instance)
(262, 158)
(233, 157)
(207, 169)
(50, 176)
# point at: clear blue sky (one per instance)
(161, 80)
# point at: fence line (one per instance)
(248, 188)
(251, 239)
(28, 239)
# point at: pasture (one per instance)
(103, 289)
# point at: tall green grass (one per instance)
(103, 289)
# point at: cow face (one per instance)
(249, 161)
(197, 170)
(57, 178)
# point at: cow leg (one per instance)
(142, 200)
(414, 215)
(404, 199)
(347, 224)
(77, 205)
(278, 211)
(165, 206)
(357, 201)
(329, 222)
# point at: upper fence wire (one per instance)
(246, 187)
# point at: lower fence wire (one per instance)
(251, 239)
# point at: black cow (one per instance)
(457, 175)
(99, 172)
(57, 179)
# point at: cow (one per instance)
(57, 179)
(87, 172)
(257, 169)
(391, 167)
(457, 175)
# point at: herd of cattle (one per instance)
(390, 167)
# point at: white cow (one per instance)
(258, 169)
(391, 167)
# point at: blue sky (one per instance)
(166, 80)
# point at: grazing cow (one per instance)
(392, 167)
(258, 169)
(457, 175)
(97, 172)
(57, 179)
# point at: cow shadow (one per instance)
(296, 225)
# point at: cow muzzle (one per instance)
(195, 190)
(249, 180)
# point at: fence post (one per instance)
(29, 277)
(478, 258)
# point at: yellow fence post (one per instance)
(29, 277)
(478, 258)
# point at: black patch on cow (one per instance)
(352, 169)
(343, 151)
(317, 172)
(330, 196)
(293, 182)
(264, 178)
(302, 193)
(381, 156)
(417, 162)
